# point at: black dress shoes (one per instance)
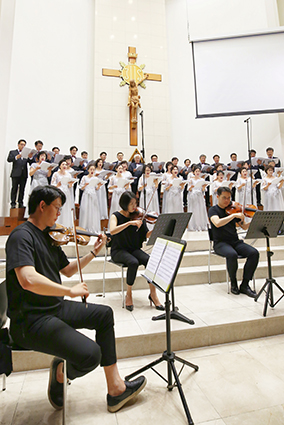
(55, 389)
(247, 291)
(234, 289)
(133, 388)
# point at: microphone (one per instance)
(247, 120)
(141, 113)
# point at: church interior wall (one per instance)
(120, 24)
(223, 135)
(54, 88)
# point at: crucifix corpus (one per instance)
(133, 75)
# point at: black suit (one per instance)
(19, 175)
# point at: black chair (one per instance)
(212, 252)
(7, 341)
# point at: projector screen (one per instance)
(239, 75)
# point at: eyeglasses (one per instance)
(59, 209)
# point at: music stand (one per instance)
(266, 224)
(174, 225)
(170, 224)
(168, 355)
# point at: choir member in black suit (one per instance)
(270, 152)
(19, 173)
(205, 167)
(119, 156)
(136, 169)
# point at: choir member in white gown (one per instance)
(220, 177)
(174, 199)
(66, 216)
(151, 191)
(40, 177)
(102, 194)
(243, 186)
(89, 209)
(273, 199)
(116, 190)
(196, 202)
(166, 175)
(126, 174)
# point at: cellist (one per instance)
(228, 245)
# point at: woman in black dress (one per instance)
(126, 245)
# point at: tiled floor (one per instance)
(240, 383)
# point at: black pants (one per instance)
(56, 334)
(231, 252)
(18, 183)
(132, 261)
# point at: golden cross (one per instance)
(128, 73)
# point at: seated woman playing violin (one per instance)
(128, 234)
(227, 243)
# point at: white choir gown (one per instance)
(116, 194)
(39, 179)
(273, 198)
(66, 216)
(216, 184)
(173, 202)
(154, 205)
(196, 205)
(247, 194)
(89, 217)
(165, 192)
(102, 200)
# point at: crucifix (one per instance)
(133, 75)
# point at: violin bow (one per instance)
(84, 300)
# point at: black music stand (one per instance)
(168, 355)
(173, 225)
(266, 224)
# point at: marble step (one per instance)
(190, 259)
(219, 318)
(186, 276)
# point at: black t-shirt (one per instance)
(128, 239)
(27, 245)
(225, 233)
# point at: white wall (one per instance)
(51, 95)
(7, 11)
(141, 24)
(216, 135)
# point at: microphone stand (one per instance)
(249, 156)
(143, 156)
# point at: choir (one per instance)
(159, 186)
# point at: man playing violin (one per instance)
(43, 321)
(228, 245)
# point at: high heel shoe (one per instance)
(158, 307)
(129, 307)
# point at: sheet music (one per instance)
(26, 151)
(46, 165)
(155, 258)
(168, 265)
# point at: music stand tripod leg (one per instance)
(181, 393)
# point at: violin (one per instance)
(62, 235)
(141, 214)
(236, 207)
